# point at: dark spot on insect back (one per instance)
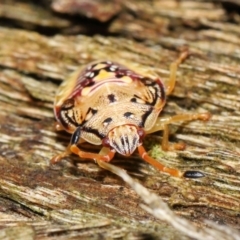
(92, 111)
(127, 114)
(111, 98)
(107, 121)
(133, 100)
(138, 99)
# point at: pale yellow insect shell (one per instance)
(126, 79)
(85, 91)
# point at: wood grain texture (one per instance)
(77, 199)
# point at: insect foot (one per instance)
(204, 116)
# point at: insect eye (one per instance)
(141, 133)
(106, 142)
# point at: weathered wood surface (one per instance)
(77, 199)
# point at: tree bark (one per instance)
(41, 44)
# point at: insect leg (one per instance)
(162, 124)
(107, 157)
(60, 156)
(172, 171)
(173, 72)
(158, 165)
(75, 138)
(104, 156)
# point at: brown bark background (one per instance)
(42, 42)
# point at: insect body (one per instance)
(108, 104)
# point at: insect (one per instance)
(107, 104)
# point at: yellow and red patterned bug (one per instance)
(107, 104)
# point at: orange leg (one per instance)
(103, 155)
(158, 165)
(106, 157)
(173, 172)
(162, 124)
(173, 72)
(165, 143)
(60, 156)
